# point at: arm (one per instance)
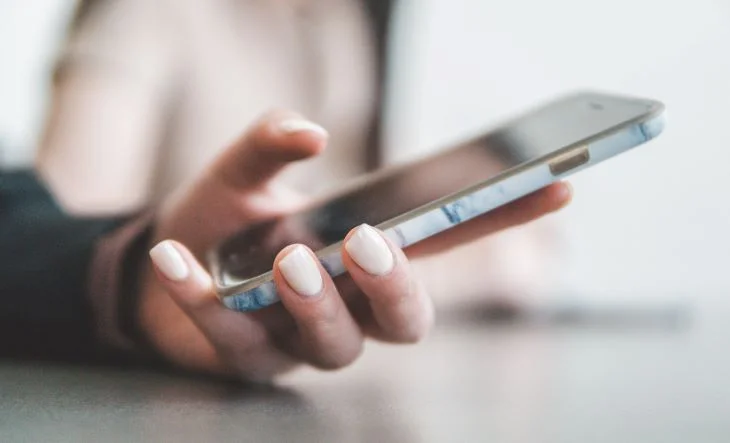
(44, 261)
(99, 148)
(70, 287)
(319, 322)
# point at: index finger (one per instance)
(270, 144)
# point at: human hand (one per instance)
(320, 322)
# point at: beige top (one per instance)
(149, 91)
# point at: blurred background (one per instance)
(648, 226)
(647, 232)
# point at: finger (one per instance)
(526, 209)
(240, 343)
(328, 336)
(402, 309)
(270, 144)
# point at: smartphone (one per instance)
(413, 202)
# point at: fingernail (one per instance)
(301, 272)
(568, 190)
(296, 125)
(370, 251)
(169, 261)
(566, 193)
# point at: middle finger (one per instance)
(327, 337)
(402, 310)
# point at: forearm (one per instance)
(47, 306)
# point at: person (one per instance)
(81, 288)
(169, 83)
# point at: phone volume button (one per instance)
(570, 160)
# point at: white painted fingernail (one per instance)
(296, 125)
(169, 261)
(370, 251)
(301, 272)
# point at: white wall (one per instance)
(29, 34)
(654, 222)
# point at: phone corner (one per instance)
(654, 126)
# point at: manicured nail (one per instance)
(568, 190)
(565, 193)
(301, 272)
(169, 261)
(296, 125)
(370, 251)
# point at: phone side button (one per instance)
(570, 160)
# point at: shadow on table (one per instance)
(668, 315)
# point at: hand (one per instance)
(319, 322)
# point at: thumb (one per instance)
(269, 145)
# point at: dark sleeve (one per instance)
(46, 261)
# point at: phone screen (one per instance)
(386, 195)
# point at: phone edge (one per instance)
(504, 188)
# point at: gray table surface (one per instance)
(470, 381)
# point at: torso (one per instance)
(241, 58)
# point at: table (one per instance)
(471, 380)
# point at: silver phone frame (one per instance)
(655, 110)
